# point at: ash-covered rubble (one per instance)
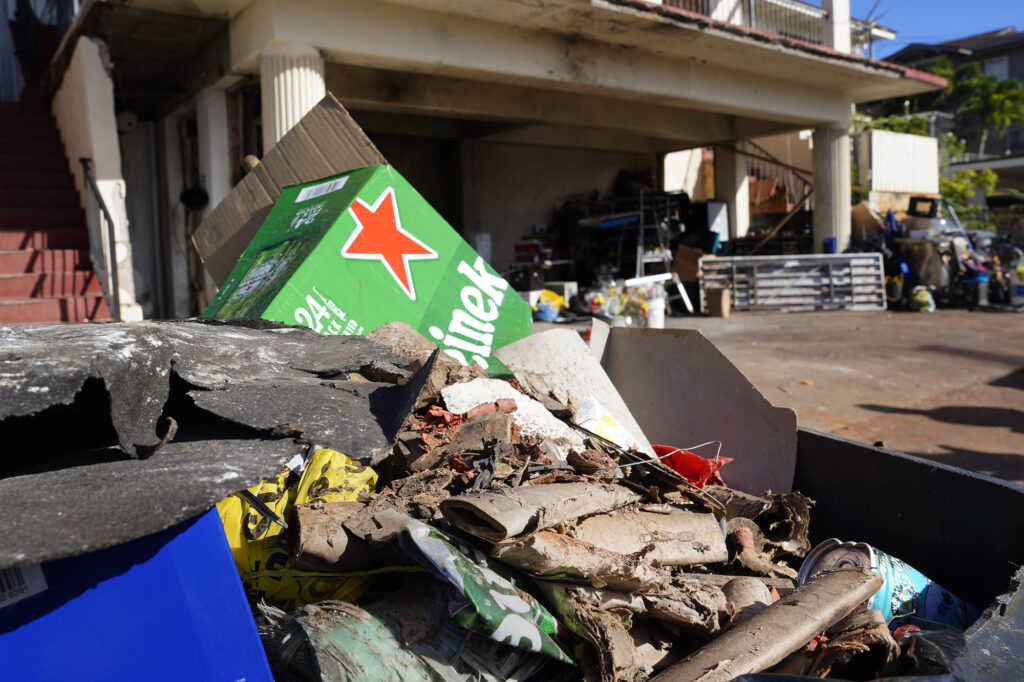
(441, 524)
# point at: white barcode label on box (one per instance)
(20, 582)
(314, 191)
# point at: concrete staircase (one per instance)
(45, 271)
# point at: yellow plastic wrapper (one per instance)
(550, 298)
(259, 546)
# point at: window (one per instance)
(998, 67)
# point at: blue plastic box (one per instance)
(169, 606)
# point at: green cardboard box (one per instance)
(346, 254)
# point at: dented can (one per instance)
(905, 591)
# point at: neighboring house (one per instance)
(1001, 55)
(493, 109)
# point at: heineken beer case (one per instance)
(346, 254)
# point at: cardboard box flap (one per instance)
(327, 141)
(684, 392)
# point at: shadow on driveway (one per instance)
(998, 417)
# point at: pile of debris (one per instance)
(425, 521)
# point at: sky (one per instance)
(935, 21)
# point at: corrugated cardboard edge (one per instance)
(327, 141)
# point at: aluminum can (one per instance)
(905, 590)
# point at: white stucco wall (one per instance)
(84, 109)
(682, 172)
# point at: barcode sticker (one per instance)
(20, 582)
(314, 191)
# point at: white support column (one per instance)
(732, 187)
(832, 186)
(214, 148)
(291, 83)
(837, 24)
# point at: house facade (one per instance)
(1001, 55)
(493, 109)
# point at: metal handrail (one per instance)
(110, 254)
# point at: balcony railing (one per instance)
(789, 18)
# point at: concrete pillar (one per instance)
(291, 83)
(832, 186)
(837, 25)
(214, 150)
(732, 187)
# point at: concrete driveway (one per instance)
(948, 386)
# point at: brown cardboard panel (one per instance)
(686, 263)
(684, 392)
(325, 142)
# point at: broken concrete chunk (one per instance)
(782, 628)
(400, 338)
(503, 513)
(679, 538)
(478, 432)
(532, 418)
(558, 363)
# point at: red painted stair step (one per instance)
(44, 261)
(42, 310)
(44, 238)
(52, 285)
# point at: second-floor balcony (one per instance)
(789, 18)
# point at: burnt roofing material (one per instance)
(113, 432)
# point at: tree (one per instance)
(999, 104)
(960, 187)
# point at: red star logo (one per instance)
(379, 236)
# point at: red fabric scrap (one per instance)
(697, 470)
(905, 631)
(816, 641)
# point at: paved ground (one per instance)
(948, 386)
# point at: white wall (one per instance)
(510, 188)
(682, 172)
(84, 109)
(903, 163)
(793, 149)
(138, 158)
